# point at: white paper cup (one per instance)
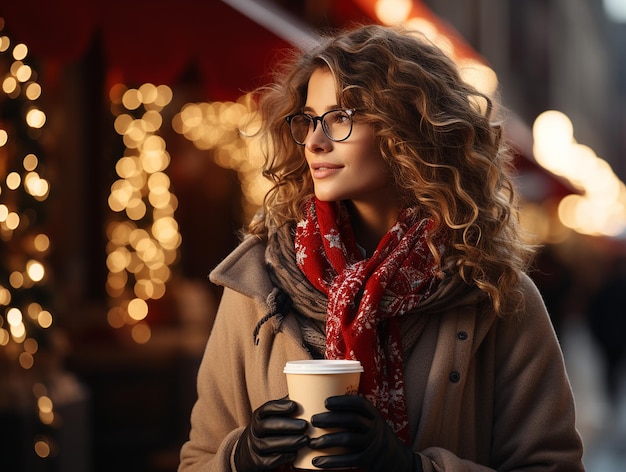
(310, 383)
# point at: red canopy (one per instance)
(150, 40)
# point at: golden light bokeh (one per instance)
(393, 12)
(21, 317)
(35, 118)
(141, 333)
(20, 51)
(144, 243)
(35, 270)
(228, 130)
(601, 209)
(42, 448)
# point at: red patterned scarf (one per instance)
(367, 295)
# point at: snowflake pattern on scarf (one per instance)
(367, 295)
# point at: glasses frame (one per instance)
(315, 119)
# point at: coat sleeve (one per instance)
(235, 377)
(533, 426)
(222, 409)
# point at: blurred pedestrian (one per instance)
(606, 315)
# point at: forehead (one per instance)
(321, 91)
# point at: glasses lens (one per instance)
(300, 126)
(338, 125)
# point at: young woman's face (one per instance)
(348, 170)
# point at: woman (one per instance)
(390, 236)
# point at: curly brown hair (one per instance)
(434, 131)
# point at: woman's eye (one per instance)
(341, 117)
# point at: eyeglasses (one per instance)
(336, 124)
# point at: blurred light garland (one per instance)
(24, 276)
(228, 130)
(143, 242)
(22, 189)
(601, 208)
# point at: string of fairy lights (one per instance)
(21, 182)
(228, 130)
(143, 241)
(24, 275)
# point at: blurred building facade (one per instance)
(568, 55)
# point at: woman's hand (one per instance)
(272, 438)
(371, 444)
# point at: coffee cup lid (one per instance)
(322, 366)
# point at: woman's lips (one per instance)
(321, 170)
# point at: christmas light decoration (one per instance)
(25, 295)
(23, 191)
(228, 130)
(143, 241)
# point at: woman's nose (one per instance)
(317, 141)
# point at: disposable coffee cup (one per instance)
(310, 383)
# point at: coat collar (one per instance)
(244, 270)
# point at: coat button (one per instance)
(454, 377)
(462, 335)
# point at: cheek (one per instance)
(368, 162)
(373, 169)
(376, 162)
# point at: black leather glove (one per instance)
(272, 438)
(371, 444)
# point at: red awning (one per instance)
(150, 40)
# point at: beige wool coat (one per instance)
(483, 393)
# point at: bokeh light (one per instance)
(22, 187)
(228, 130)
(393, 12)
(601, 207)
(144, 240)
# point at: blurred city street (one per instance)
(602, 425)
